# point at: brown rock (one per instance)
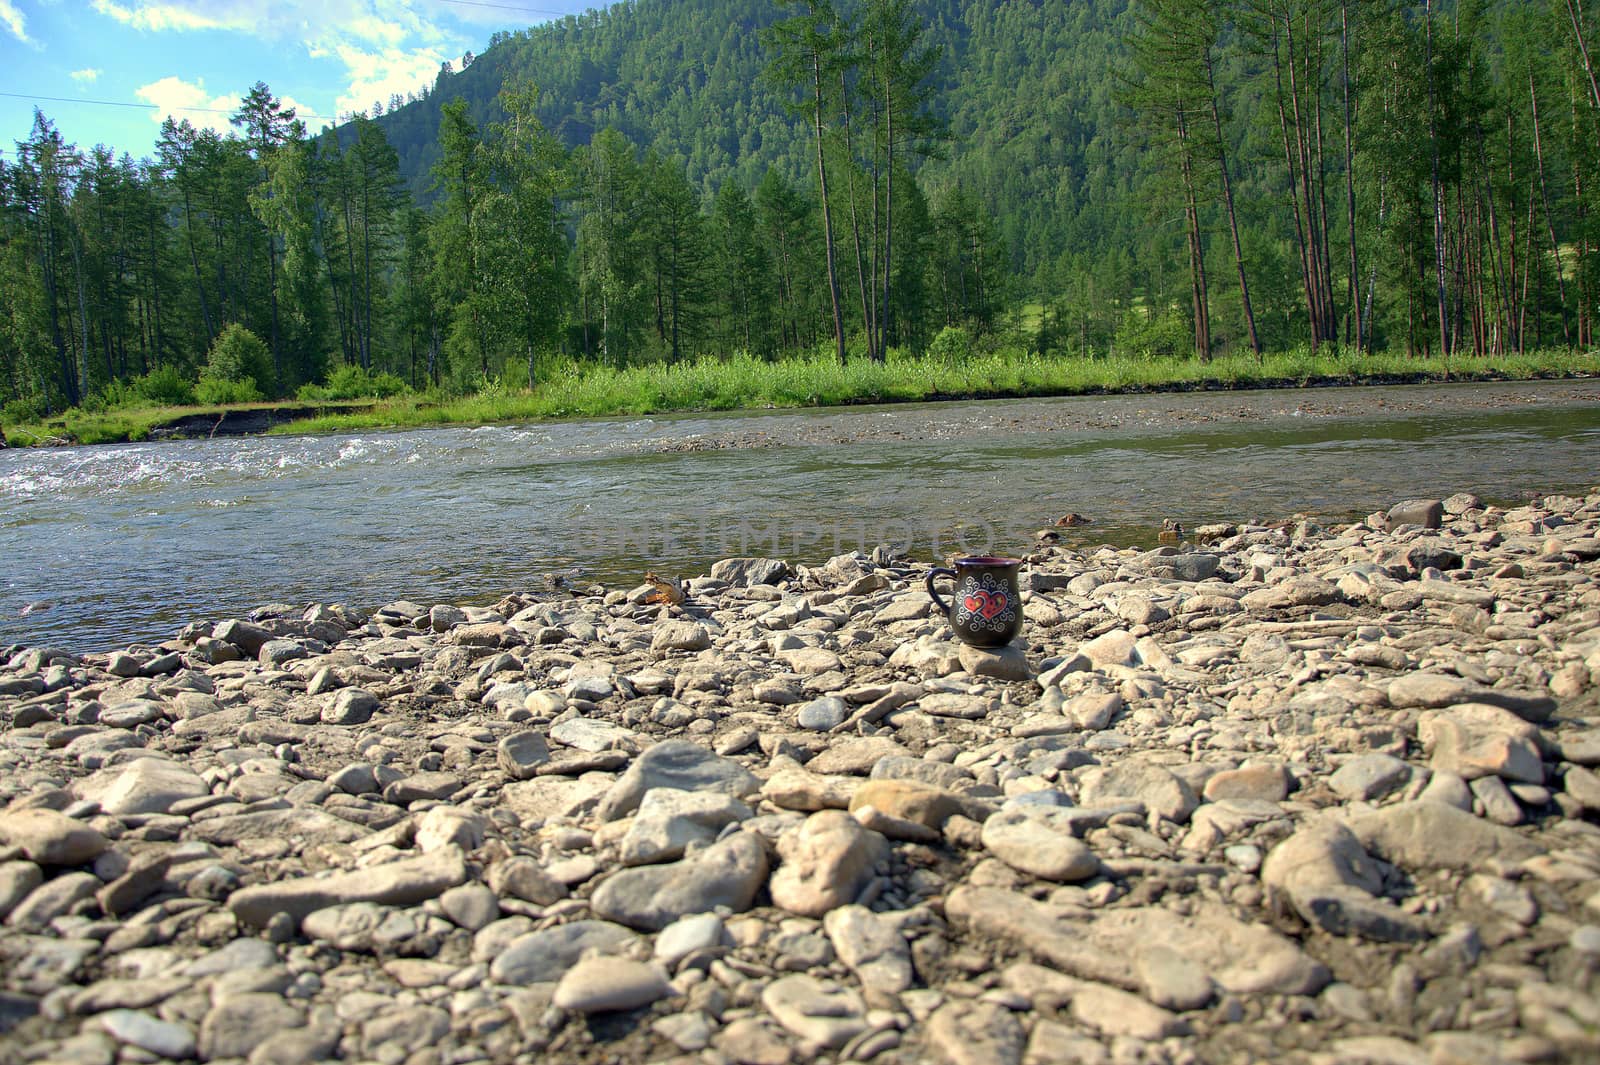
(51, 838)
(907, 800)
(827, 860)
(1266, 783)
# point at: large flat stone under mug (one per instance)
(987, 608)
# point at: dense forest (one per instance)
(671, 181)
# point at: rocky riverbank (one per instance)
(244, 421)
(1294, 794)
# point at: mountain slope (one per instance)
(1025, 87)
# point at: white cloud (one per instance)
(180, 16)
(13, 20)
(86, 76)
(189, 100)
(375, 76)
(385, 46)
(320, 25)
(305, 112)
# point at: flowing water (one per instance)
(105, 546)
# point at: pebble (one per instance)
(689, 935)
(816, 1011)
(401, 882)
(727, 873)
(793, 818)
(1474, 740)
(1265, 783)
(676, 764)
(872, 946)
(51, 838)
(350, 706)
(1038, 840)
(139, 1029)
(1371, 776)
(976, 1033)
(670, 820)
(605, 984)
(239, 1023)
(907, 800)
(144, 786)
(520, 754)
(823, 714)
(827, 861)
(544, 956)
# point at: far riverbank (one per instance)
(748, 384)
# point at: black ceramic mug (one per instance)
(987, 608)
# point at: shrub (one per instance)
(352, 382)
(952, 344)
(237, 356)
(1167, 336)
(114, 394)
(25, 411)
(166, 385)
(214, 391)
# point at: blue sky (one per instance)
(108, 71)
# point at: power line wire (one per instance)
(509, 7)
(143, 107)
(298, 113)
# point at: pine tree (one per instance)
(805, 51)
(520, 244)
(375, 193)
(608, 245)
(459, 280)
(268, 126)
(744, 274)
(676, 236)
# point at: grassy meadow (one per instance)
(742, 382)
(746, 383)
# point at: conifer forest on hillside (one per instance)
(856, 180)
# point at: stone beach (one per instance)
(1280, 792)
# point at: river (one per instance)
(105, 546)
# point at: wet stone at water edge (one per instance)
(1311, 794)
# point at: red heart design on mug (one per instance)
(978, 603)
(995, 604)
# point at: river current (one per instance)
(105, 546)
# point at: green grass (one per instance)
(97, 427)
(747, 383)
(121, 424)
(744, 383)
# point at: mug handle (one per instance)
(939, 571)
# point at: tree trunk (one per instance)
(1300, 222)
(1354, 294)
(1372, 271)
(1580, 271)
(1197, 260)
(1319, 184)
(1575, 14)
(194, 261)
(1514, 313)
(1233, 218)
(1549, 220)
(1527, 272)
(888, 199)
(1438, 191)
(1497, 266)
(827, 212)
(272, 292)
(862, 287)
(81, 348)
(366, 272)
